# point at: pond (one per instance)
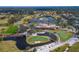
(20, 41)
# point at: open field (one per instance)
(12, 29)
(8, 46)
(3, 21)
(61, 49)
(37, 39)
(74, 48)
(64, 35)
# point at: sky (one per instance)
(39, 2)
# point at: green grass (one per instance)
(1, 39)
(33, 39)
(64, 35)
(60, 49)
(74, 48)
(12, 29)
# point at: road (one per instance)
(12, 35)
(54, 45)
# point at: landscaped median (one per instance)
(37, 39)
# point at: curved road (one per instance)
(52, 46)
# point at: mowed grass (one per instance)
(8, 46)
(61, 48)
(64, 35)
(12, 29)
(74, 48)
(40, 39)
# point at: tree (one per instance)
(63, 23)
